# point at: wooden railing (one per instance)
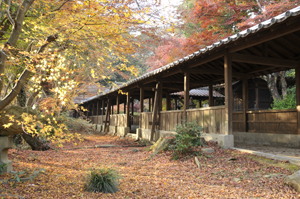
(99, 119)
(212, 119)
(267, 121)
(134, 120)
(118, 120)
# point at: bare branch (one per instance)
(16, 89)
(8, 14)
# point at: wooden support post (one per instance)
(228, 93)
(210, 96)
(245, 103)
(175, 103)
(149, 104)
(97, 112)
(256, 95)
(168, 101)
(159, 97)
(132, 110)
(128, 110)
(107, 114)
(186, 94)
(155, 110)
(141, 100)
(118, 104)
(297, 75)
(103, 107)
(112, 109)
(93, 109)
(124, 107)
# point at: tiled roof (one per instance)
(233, 38)
(200, 92)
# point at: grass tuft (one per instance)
(103, 180)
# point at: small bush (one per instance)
(187, 137)
(289, 102)
(103, 180)
(2, 166)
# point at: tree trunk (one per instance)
(271, 80)
(15, 128)
(283, 84)
(35, 143)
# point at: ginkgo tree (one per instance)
(50, 48)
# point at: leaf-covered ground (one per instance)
(144, 176)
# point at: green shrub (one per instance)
(103, 180)
(289, 102)
(187, 137)
(2, 166)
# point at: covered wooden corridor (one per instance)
(271, 46)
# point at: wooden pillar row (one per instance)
(228, 92)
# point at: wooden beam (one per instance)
(228, 93)
(141, 100)
(297, 76)
(155, 110)
(149, 104)
(107, 114)
(256, 95)
(210, 96)
(186, 94)
(267, 61)
(128, 110)
(212, 71)
(245, 103)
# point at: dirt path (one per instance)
(144, 177)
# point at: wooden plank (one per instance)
(206, 121)
(218, 121)
(245, 104)
(186, 93)
(212, 114)
(228, 92)
(297, 76)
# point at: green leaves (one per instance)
(187, 137)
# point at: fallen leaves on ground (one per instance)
(144, 177)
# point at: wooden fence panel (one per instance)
(272, 121)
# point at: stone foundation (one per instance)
(5, 144)
(268, 139)
(225, 141)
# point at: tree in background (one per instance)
(207, 21)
